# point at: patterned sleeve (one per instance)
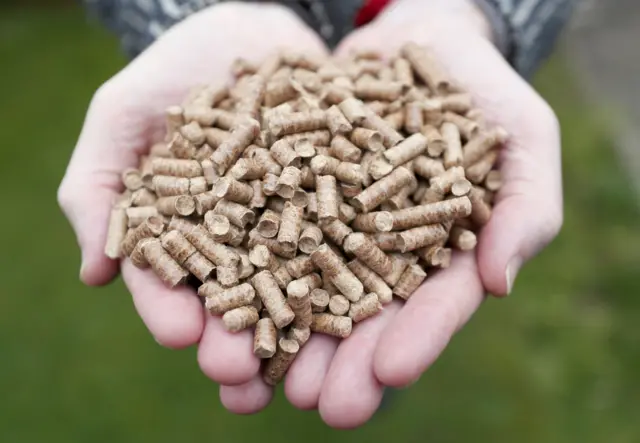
(526, 30)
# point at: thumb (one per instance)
(92, 180)
(528, 210)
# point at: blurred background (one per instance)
(556, 362)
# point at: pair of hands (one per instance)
(344, 381)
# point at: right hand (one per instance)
(125, 117)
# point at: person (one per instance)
(490, 46)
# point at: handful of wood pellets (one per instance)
(306, 195)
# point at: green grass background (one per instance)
(556, 362)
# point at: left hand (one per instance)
(346, 381)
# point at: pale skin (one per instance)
(343, 381)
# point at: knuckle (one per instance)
(64, 197)
(547, 117)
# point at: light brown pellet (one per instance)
(313, 280)
(371, 281)
(310, 239)
(368, 306)
(411, 280)
(151, 227)
(402, 71)
(268, 224)
(462, 239)
(166, 186)
(319, 300)
(430, 213)
(290, 226)
(338, 305)
(420, 237)
(354, 110)
(176, 167)
(278, 365)
(263, 258)
(453, 147)
(180, 147)
(271, 243)
(143, 197)
(400, 263)
(390, 136)
(210, 288)
(461, 187)
(269, 184)
(288, 182)
(176, 205)
(227, 276)
(282, 277)
(273, 299)
(327, 195)
(265, 338)
(236, 213)
(336, 326)
(283, 153)
(279, 91)
(335, 230)
(116, 233)
(300, 335)
(459, 103)
(368, 252)
(219, 254)
(137, 215)
(387, 241)
(240, 318)
(160, 150)
(480, 210)
(346, 213)
(426, 67)
(231, 149)
(479, 145)
(300, 266)
(218, 302)
(248, 169)
(478, 171)
(216, 136)
(445, 181)
(395, 120)
(173, 119)
(378, 90)
(259, 199)
(344, 150)
(337, 123)
(206, 201)
(320, 137)
(468, 128)
(304, 148)
(209, 172)
(434, 255)
(413, 117)
(233, 190)
(199, 266)
(382, 190)
(297, 122)
(131, 179)
(175, 243)
(427, 167)
(407, 150)
(339, 274)
(137, 255)
(193, 132)
(164, 266)
(493, 181)
(300, 302)
(222, 230)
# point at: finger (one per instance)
(173, 316)
(528, 210)
(422, 329)
(227, 357)
(307, 373)
(351, 393)
(247, 398)
(92, 179)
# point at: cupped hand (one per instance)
(345, 381)
(125, 117)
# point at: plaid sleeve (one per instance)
(527, 30)
(139, 22)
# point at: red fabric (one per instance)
(370, 10)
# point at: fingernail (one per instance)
(512, 272)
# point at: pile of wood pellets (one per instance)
(306, 195)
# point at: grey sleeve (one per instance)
(139, 22)
(526, 30)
